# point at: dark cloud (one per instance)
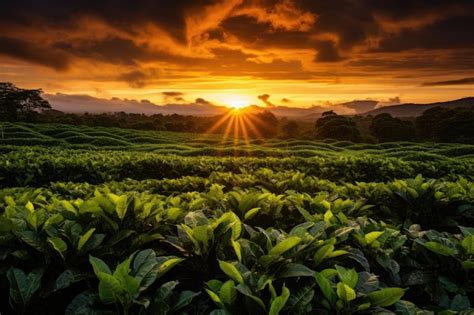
(202, 101)
(421, 61)
(112, 49)
(265, 98)
(285, 100)
(41, 55)
(352, 21)
(236, 62)
(463, 81)
(260, 35)
(193, 37)
(136, 79)
(327, 52)
(172, 94)
(456, 32)
(127, 16)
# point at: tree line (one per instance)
(436, 124)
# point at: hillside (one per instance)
(16, 135)
(411, 110)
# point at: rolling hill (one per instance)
(411, 110)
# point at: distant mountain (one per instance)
(85, 103)
(314, 112)
(412, 110)
(358, 107)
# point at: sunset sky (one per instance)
(300, 53)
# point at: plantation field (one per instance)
(89, 138)
(115, 221)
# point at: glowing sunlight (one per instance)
(237, 102)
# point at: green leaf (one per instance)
(322, 253)
(460, 303)
(236, 227)
(214, 297)
(296, 270)
(166, 263)
(30, 206)
(386, 297)
(144, 268)
(306, 215)
(285, 245)
(84, 238)
(237, 249)
(99, 265)
(110, 289)
(36, 219)
(326, 287)
(23, 286)
(68, 206)
(127, 282)
(121, 206)
(228, 292)
(468, 244)
(372, 236)
(466, 231)
(162, 296)
(32, 239)
(93, 243)
(468, 264)
(251, 213)
(18, 286)
(58, 244)
(215, 285)
(9, 201)
(245, 290)
(184, 299)
(405, 307)
(348, 277)
(299, 302)
(203, 234)
(230, 270)
(68, 278)
(440, 249)
(278, 303)
(83, 304)
(345, 292)
(173, 213)
(327, 216)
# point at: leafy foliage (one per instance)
(205, 235)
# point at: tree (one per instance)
(290, 129)
(266, 124)
(333, 126)
(14, 100)
(329, 113)
(447, 125)
(386, 128)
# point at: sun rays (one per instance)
(237, 128)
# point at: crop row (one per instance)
(431, 201)
(40, 167)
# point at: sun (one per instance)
(237, 102)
